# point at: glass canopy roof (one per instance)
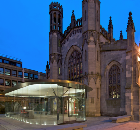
(38, 87)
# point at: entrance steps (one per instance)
(120, 119)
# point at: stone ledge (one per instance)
(74, 127)
(120, 119)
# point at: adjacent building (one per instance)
(12, 73)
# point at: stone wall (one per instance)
(108, 58)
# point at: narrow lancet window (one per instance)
(114, 82)
(59, 70)
(54, 17)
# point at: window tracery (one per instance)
(114, 82)
(75, 66)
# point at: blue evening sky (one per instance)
(24, 26)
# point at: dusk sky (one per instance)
(24, 26)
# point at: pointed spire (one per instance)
(72, 12)
(47, 69)
(110, 23)
(121, 36)
(47, 66)
(72, 19)
(73, 16)
(110, 29)
(130, 21)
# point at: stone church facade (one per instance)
(87, 53)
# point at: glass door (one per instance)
(71, 105)
(80, 104)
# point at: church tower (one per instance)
(55, 36)
(91, 54)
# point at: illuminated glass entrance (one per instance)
(50, 102)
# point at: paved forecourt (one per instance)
(93, 123)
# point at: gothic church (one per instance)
(89, 54)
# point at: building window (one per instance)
(75, 66)
(58, 18)
(20, 74)
(59, 43)
(1, 60)
(51, 18)
(31, 76)
(7, 82)
(14, 73)
(54, 27)
(26, 75)
(6, 61)
(18, 65)
(114, 82)
(54, 17)
(7, 72)
(1, 70)
(35, 76)
(51, 28)
(12, 63)
(1, 81)
(59, 70)
(14, 83)
(54, 6)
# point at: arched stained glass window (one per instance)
(114, 82)
(75, 66)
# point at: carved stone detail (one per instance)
(56, 57)
(95, 77)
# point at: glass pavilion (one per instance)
(46, 102)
